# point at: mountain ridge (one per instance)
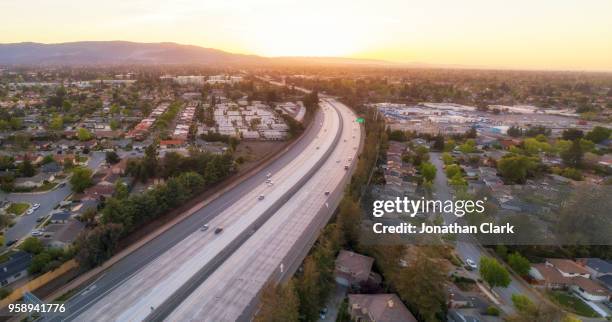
(119, 52)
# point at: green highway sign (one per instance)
(360, 120)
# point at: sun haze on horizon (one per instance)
(564, 34)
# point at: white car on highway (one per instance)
(36, 233)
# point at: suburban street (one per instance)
(47, 200)
(467, 246)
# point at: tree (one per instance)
(468, 147)
(519, 264)
(32, 245)
(572, 157)
(83, 134)
(422, 286)
(114, 124)
(308, 287)
(81, 179)
(515, 168)
(572, 134)
(438, 143)
(529, 311)
(428, 171)
(452, 170)
(598, 134)
(515, 131)
(522, 303)
(349, 217)
(493, 272)
(278, 303)
(533, 146)
(150, 161)
(121, 190)
(447, 158)
(48, 159)
(397, 135)
(26, 168)
(39, 262)
(57, 123)
(112, 157)
(96, 245)
(471, 133)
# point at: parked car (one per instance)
(471, 264)
(36, 233)
(11, 242)
(204, 228)
(218, 230)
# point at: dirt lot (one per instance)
(253, 151)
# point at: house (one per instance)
(566, 274)
(120, 167)
(606, 281)
(102, 189)
(597, 267)
(14, 268)
(34, 181)
(51, 167)
(589, 289)
(166, 144)
(567, 267)
(60, 217)
(548, 276)
(352, 269)
(378, 308)
(63, 235)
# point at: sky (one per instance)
(517, 34)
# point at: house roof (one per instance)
(606, 280)
(567, 266)
(380, 307)
(597, 264)
(69, 232)
(590, 286)
(51, 167)
(60, 216)
(171, 142)
(357, 264)
(17, 262)
(550, 274)
(100, 190)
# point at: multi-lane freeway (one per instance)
(272, 219)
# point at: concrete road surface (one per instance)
(130, 266)
(276, 250)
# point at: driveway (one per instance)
(333, 303)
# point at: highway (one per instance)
(277, 249)
(157, 272)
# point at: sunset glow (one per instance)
(567, 34)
